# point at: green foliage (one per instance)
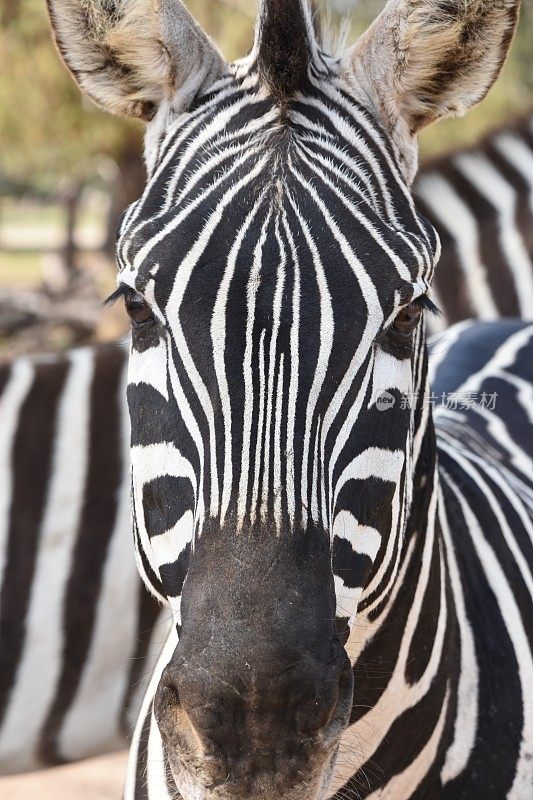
(49, 132)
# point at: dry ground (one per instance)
(95, 779)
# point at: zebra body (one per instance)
(480, 201)
(287, 504)
(465, 621)
(77, 630)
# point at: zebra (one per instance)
(480, 201)
(287, 504)
(78, 633)
(22, 730)
(509, 151)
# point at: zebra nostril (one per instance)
(343, 629)
(218, 773)
(171, 694)
(329, 712)
(314, 716)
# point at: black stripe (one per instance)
(426, 624)
(104, 480)
(450, 280)
(31, 464)
(501, 288)
(5, 374)
(500, 711)
(523, 216)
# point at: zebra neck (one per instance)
(405, 648)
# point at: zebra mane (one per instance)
(286, 37)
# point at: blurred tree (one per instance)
(55, 140)
(49, 132)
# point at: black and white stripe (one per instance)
(414, 660)
(84, 403)
(480, 201)
(230, 456)
(77, 631)
(470, 599)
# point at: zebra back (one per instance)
(480, 200)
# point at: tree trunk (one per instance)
(70, 253)
(128, 186)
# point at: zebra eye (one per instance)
(138, 309)
(408, 318)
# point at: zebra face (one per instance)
(265, 269)
(274, 271)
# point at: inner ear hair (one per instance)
(451, 54)
(129, 56)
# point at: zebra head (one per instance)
(275, 271)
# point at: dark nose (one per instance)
(261, 706)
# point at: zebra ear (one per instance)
(131, 55)
(422, 60)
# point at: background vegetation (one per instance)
(67, 169)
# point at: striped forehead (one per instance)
(320, 175)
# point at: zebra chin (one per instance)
(189, 788)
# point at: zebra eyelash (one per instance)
(428, 305)
(121, 291)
